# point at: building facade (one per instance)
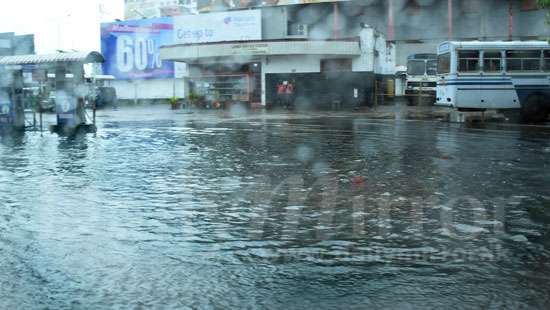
(236, 57)
(11, 44)
(414, 26)
(140, 9)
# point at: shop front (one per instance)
(221, 85)
(250, 72)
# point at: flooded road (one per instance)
(228, 210)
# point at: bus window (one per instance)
(416, 67)
(468, 61)
(523, 60)
(431, 67)
(492, 62)
(546, 61)
(444, 63)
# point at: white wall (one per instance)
(292, 64)
(376, 54)
(148, 89)
(405, 49)
(365, 62)
(384, 62)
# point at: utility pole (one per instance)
(510, 20)
(391, 33)
(450, 19)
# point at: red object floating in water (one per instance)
(358, 180)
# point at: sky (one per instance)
(59, 24)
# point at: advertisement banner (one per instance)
(225, 5)
(65, 109)
(218, 27)
(132, 48)
(6, 111)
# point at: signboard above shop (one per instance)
(218, 27)
(250, 49)
(226, 5)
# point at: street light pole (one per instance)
(59, 23)
(510, 20)
(139, 13)
(391, 29)
(450, 19)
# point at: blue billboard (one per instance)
(132, 48)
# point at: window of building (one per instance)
(468, 61)
(529, 5)
(546, 61)
(523, 60)
(471, 6)
(492, 61)
(444, 63)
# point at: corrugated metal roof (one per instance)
(83, 57)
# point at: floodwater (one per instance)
(281, 211)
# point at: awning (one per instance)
(81, 57)
(196, 52)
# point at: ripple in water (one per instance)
(235, 210)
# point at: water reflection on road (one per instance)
(275, 211)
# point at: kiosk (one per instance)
(69, 86)
(12, 114)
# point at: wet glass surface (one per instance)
(275, 211)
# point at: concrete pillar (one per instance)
(18, 104)
(264, 82)
(336, 21)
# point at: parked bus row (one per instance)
(495, 75)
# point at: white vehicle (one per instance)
(495, 75)
(421, 78)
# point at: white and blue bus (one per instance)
(495, 75)
(421, 78)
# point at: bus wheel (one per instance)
(535, 108)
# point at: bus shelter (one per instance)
(69, 86)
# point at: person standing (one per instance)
(289, 95)
(281, 93)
